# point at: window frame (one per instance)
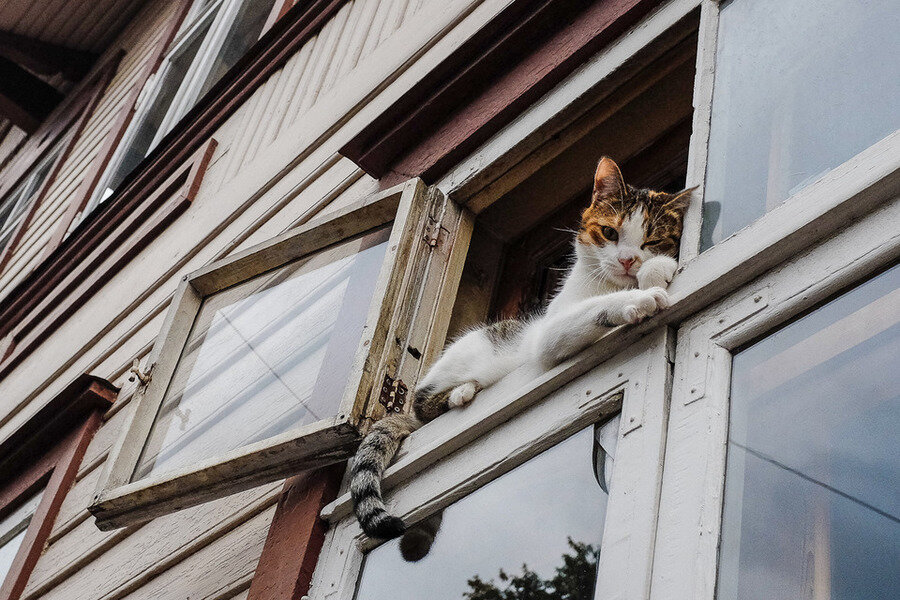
(222, 14)
(511, 422)
(686, 561)
(410, 302)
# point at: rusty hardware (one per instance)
(432, 232)
(142, 376)
(393, 394)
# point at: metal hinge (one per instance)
(393, 394)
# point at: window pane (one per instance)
(139, 146)
(266, 355)
(801, 87)
(8, 553)
(811, 503)
(244, 32)
(537, 527)
(13, 528)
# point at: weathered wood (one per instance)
(394, 315)
(114, 563)
(699, 146)
(295, 537)
(692, 488)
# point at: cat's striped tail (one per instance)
(374, 454)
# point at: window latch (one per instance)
(393, 394)
(136, 372)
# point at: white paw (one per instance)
(462, 394)
(637, 305)
(656, 271)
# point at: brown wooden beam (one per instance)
(46, 58)
(24, 99)
(521, 54)
(296, 536)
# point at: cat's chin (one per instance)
(624, 281)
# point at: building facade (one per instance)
(234, 233)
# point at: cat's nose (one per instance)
(627, 262)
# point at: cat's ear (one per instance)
(680, 201)
(608, 181)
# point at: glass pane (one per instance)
(244, 32)
(8, 553)
(811, 502)
(139, 146)
(13, 528)
(533, 533)
(801, 87)
(267, 355)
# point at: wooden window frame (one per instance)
(47, 451)
(418, 278)
(692, 495)
(511, 422)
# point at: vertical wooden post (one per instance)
(295, 536)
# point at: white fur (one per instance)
(597, 290)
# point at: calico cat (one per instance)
(624, 259)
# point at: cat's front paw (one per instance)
(656, 271)
(636, 305)
(462, 394)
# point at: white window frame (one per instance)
(184, 99)
(511, 422)
(411, 304)
(862, 191)
(694, 478)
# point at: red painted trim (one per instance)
(295, 536)
(100, 79)
(123, 119)
(525, 51)
(60, 460)
(84, 266)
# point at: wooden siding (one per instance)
(79, 24)
(276, 165)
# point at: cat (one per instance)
(625, 253)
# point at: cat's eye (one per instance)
(610, 233)
(651, 243)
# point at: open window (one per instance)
(593, 426)
(278, 358)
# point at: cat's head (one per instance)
(624, 225)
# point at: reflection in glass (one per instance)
(533, 533)
(13, 528)
(267, 355)
(244, 32)
(800, 87)
(140, 144)
(811, 502)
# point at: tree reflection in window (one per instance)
(533, 533)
